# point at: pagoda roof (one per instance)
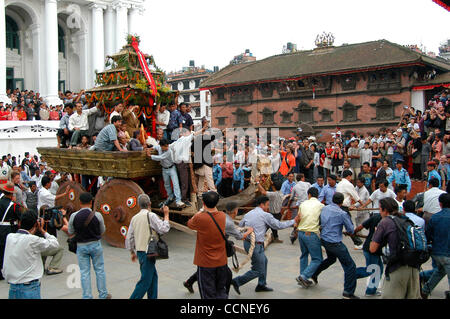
(359, 57)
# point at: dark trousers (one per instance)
(416, 171)
(212, 282)
(192, 280)
(148, 283)
(236, 187)
(356, 240)
(4, 231)
(339, 251)
(308, 174)
(274, 231)
(64, 138)
(183, 173)
(226, 187)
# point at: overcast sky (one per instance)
(212, 32)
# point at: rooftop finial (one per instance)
(324, 40)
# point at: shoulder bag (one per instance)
(229, 245)
(156, 249)
(72, 241)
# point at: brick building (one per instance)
(358, 88)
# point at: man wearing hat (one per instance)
(9, 215)
(400, 176)
(238, 178)
(398, 144)
(432, 173)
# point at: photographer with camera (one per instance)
(53, 219)
(23, 268)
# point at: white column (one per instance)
(51, 52)
(83, 54)
(121, 25)
(134, 20)
(110, 44)
(37, 67)
(3, 97)
(98, 42)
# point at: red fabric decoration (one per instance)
(442, 4)
(430, 87)
(149, 77)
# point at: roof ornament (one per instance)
(324, 40)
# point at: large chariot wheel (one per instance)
(71, 203)
(116, 200)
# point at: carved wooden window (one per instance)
(186, 98)
(350, 112)
(326, 115)
(175, 86)
(197, 83)
(384, 80)
(305, 113)
(241, 94)
(221, 120)
(266, 90)
(385, 109)
(185, 85)
(286, 117)
(348, 82)
(221, 94)
(268, 116)
(241, 117)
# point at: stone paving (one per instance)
(283, 267)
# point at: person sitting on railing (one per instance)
(78, 122)
(64, 134)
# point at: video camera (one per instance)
(54, 217)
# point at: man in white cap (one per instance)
(398, 144)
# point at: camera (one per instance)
(54, 217)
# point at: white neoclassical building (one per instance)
(56, 45)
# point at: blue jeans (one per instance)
(149, 278)
(426, 274)
(171, 175)
(309, 245)
(363, 272)
(21, 291)
(259, 266)
(339, 251)
(85, 253)
(442, 269)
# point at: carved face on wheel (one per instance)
(71, 202)
(117, 202)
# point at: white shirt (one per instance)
(81, 121)
(366, 156)
(364, 195)
(300, 192)
(377, 195)
(163, 117)
(400, 205)
(276, 161)
(349, 192)
(431, 200)
(54, 188)
(45, 198)
(23, 261)
(418, 221)
(181, 149)
(37, 180)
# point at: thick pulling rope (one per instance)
(267, 241)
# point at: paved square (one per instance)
(283, 267)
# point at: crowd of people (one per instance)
(304, 183)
